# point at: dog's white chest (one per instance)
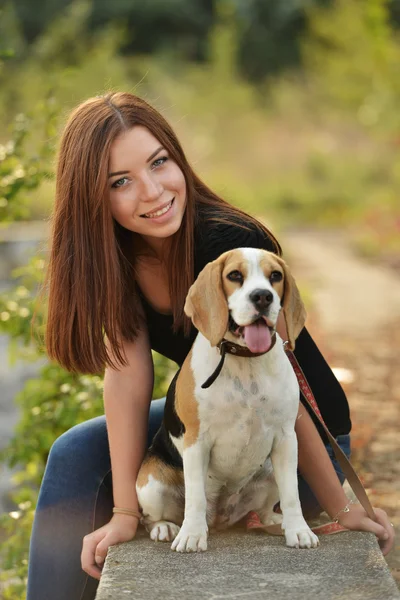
(243, 413)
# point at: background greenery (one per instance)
(288, 109)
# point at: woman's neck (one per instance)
(153, 249)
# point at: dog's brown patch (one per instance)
(152, 465)
(185, 403)
(269, 263)
(234, 262)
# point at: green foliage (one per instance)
(352, 56)
(270, 35)
(16, 526)
(178, 27)
(269, 38)
(20, 173)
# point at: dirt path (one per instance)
(354, 315)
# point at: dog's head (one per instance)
(239, 296)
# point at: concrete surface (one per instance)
(249, 566)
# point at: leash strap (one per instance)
(217, 371)
(253, 520)
(344, 462)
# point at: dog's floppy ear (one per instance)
(206, 303)
(293, 307)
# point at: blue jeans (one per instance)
(76, 498)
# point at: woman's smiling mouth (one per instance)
(161, 211)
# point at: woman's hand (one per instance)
(121, 528)
(357, 519)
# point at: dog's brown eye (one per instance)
(235, 276)
(275, 276)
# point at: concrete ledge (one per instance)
(249, 566)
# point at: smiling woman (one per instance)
(133, 227)
(120, 167)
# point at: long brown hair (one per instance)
(91, 279)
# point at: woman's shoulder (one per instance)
(218, 231)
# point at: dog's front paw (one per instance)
(192, 537)
(299, 535)
(164, 531)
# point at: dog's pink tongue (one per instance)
(257, 337)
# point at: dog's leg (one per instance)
(192, 536)
(266, 513)
(160, 492)
(284, 461)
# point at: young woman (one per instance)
(132, 228)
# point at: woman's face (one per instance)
(147, 188)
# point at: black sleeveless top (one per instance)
(211, 240)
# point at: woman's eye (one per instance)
(159, 161)
(275, 276)
(119, 182)
(235, 276)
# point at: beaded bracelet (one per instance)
(128, 511)
(346, 509)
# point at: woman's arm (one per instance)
(317, 469)
(127, 396)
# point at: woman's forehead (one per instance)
(137, 144)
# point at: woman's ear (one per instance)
(206, 303)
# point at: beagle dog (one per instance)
(227, 444)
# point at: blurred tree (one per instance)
(269, 36)
(269, 31)
(35, 17)
(268, 39)
(181, 26)
(352, 59)
(394, 8)
(177, 26)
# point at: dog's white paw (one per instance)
(191, 538)
(299, 535)
(164, 531)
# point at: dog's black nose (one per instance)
(261, 298)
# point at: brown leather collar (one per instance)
(226, 347)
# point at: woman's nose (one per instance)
(150, 189)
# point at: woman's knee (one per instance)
(84, 445)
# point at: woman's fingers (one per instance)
(101, 550)
(382, 528)
(90, 561)
(96, 544)
(386, 543)
(374, 527)
(357, 519)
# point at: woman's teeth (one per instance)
(160, 212)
